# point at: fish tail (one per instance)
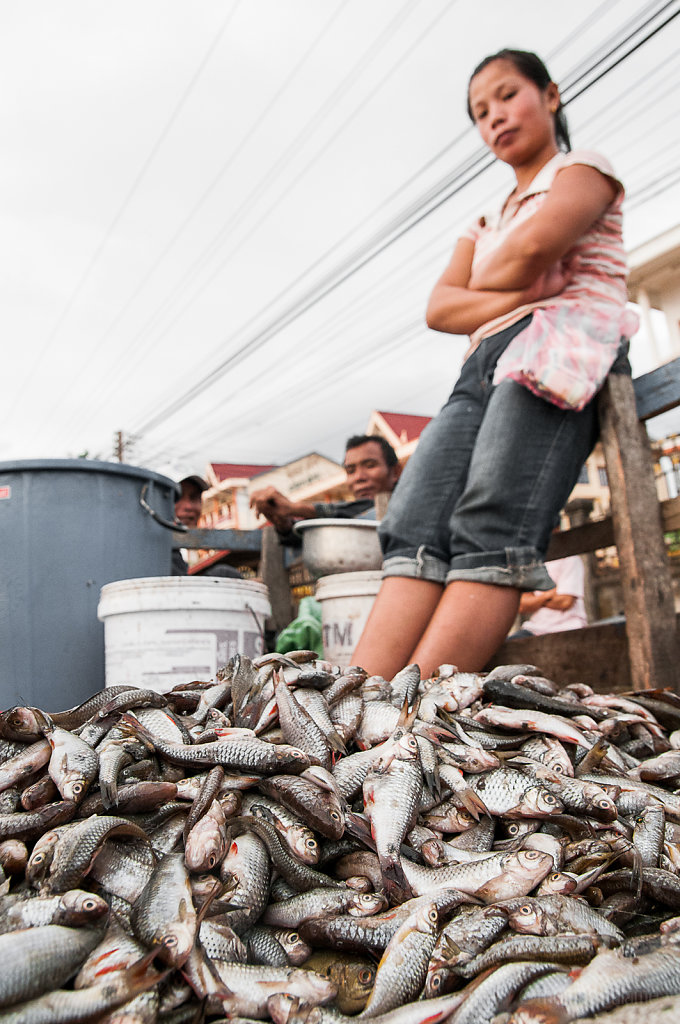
(472, 803)
(140, 976)
(544, 1010)
(133, 726)
(336, 741)
(109, 792)
(357, 825)
(43, 721)
(396, 883)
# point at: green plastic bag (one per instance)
(303, 633)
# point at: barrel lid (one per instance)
(146, 593)
(88, 466)
(185, 583)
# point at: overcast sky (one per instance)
(194, 198)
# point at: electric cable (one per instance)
(589, 86)
(131, 192)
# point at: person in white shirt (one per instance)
(550, 611)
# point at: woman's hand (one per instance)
(551, 282)
(455, 306)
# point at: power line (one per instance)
(139, 177)
(481, 162)
(170, 245)
(318, 339)
(271, 174)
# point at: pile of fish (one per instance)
(303, 844)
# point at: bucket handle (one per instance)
(169, 524)
(258, 627)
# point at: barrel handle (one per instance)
(174, 524)
(258, 627)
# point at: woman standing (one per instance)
(540, 289)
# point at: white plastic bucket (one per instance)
(164, 630)
(346, 600)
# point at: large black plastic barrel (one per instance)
(67, 527)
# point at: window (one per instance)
(602, 475)
(583, 475)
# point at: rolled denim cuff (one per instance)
(522, 568)
(418, 566)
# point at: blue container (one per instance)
(67, 527)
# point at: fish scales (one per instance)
(140, 852)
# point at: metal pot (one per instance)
(332, 546)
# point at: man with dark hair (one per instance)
(389, 454)
(372, 467)
(187, 511)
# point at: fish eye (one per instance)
(311, 844)
(526, 909)
(38, 858)
(513, 829)
(558, 768)
(89, 904)
(293, 937)
(550, 799)
(432, 916)
(335, 816)
(435, 982)
(365, 976)
(532, 854)
(606, 802)
(169, 941)
(77, 787)
(212, 860)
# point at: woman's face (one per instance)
(514, 117)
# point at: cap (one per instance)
(197, 481)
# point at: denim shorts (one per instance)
(483, 491)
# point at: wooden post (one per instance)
(273, 573)
(578, 513)
(381, 499)
(643, 560)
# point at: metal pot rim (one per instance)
(306, 524)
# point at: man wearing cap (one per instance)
(187, 512)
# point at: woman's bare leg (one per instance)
(469, 624)
(398, 619)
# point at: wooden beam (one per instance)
(381, 501)
(579, 540)
(219, 540)
(596, 655)
(670, 514)
(273, 573)
(644, 563)
(658, 391)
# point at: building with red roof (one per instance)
(401, 429)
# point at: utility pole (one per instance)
(122, 445)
